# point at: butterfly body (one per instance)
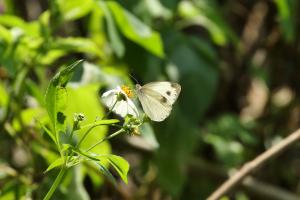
(157, 98)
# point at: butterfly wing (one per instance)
(156, 106)
(167, 89)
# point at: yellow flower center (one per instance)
(127, 91)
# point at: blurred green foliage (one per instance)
(237, 63)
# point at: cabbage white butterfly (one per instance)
(157, 98)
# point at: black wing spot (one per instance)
(168, 93)
(163, 100)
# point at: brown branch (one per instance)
(254, 164)
(198, 167)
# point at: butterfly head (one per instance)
(138, 87)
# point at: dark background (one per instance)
(237, 63)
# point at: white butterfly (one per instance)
(157, 98)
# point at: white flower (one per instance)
(118, 100)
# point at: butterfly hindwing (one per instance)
(154, 104)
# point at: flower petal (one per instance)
(122, 107)
(109, 98)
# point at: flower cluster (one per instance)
(118, 101)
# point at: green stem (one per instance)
(84, 136)
(106, 138)
(56, 183)
(110, 110)
(88, 131)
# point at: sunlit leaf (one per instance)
(73, 186)
(35, 91)
(54, 164)
(5, 35)
(3, 95)
(28, 117)
(107, 174)
(206, 14)
(74, 9)
(114, 37)
(55, 97)
(156, 9)
(49, 132)
(12, 21)
(286, 9)
(85, 155)
(52, 55)
(85, 99)
(96, 29)
(119, 164)
(136, 30)
(70, 44)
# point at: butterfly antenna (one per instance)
(134, 78)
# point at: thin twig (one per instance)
(254, 164)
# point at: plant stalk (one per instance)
(56, 183)
(106, 138)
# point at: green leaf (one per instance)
(58, 162)
(35, 91)
(136, 30)
(206, 14)
(74, 9)
(107, 174)
(286, 11)
(5, 35)
(56, 96)
(96, 30)
(85, 155)
(3, 95)
(72, 187)
(12, 21)
(50, 133)
(71, 44)
(116, 42)
(28, 117)
(119, 164)
(85, 100)
(52, 55)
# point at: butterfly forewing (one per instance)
(167, 89)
